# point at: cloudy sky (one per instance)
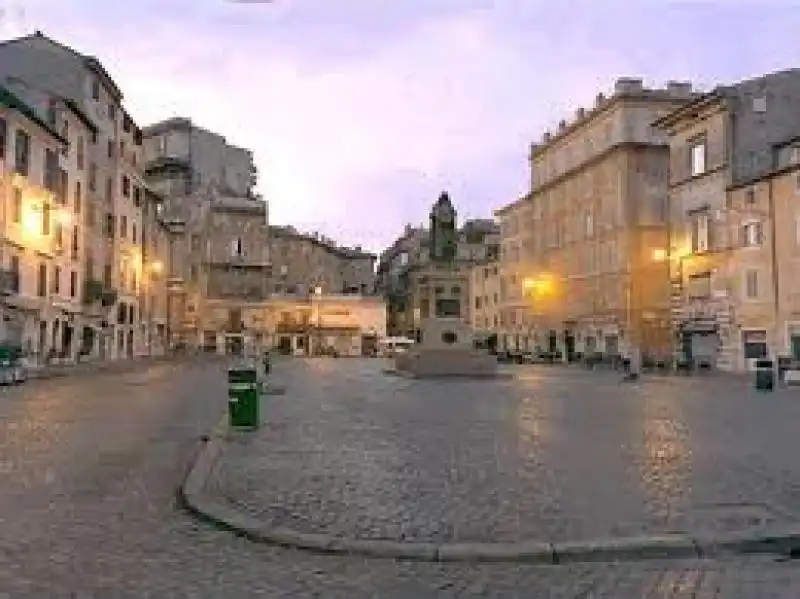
(360, 111)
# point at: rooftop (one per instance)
(625, 88)
(321, 241)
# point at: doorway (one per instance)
(569, 345)
(234, 345)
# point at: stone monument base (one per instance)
(445, 351)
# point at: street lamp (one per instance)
(538, 288)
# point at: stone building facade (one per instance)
(304, 262)
(582, 264)
(727, 151)
(102, 176)
(235, 283)
(484, 291)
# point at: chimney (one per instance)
(599, 100)
(580, 113)
(679, 89)
(546, 137)
(562, 126)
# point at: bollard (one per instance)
(243, 397)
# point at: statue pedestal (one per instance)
(445, 351)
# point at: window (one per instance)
(133, 232)
(760, 104)
(65, 135)
(752, 234)
(751, 284)
(236, 247)
(697, 154)
(107, 276)
(112, 112)
(93, 138)
(123, 226)
(80, 152)
(77, 198)
(588, 224)
(15, 279)
(59, 235)
(76, 232)
(109, 189)
(110, 225)
(62, 187)
(55, 284)
(700, 234)
(46, 219)
(699, 285)
(750, 196)
(126, 186)
(754, 344)
(797, 230)
(95, 89)
(73, 283)
(50, 169)
(41, 280)
(22, 150)
(137, 196)
(110, 148)
(92, 176)
(16, 206)
(3, 137)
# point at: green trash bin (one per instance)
(765, 375)
(243, 397)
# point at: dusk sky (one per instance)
(360, 112)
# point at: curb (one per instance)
(783, 541)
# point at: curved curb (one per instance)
(194, 499)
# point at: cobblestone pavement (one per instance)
(557, 454)
(88, 472)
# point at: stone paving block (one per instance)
(555, 454)
(76, 524)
